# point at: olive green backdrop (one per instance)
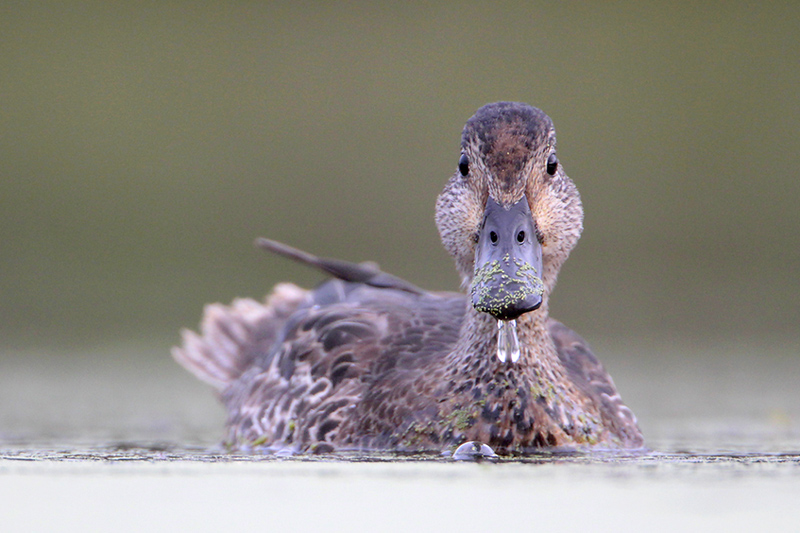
(143, 146)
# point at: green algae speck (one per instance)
(509, 290)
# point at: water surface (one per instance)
(124, 432)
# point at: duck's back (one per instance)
(332, 367)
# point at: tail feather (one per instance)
(231, 336)
(367, 273)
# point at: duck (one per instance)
(367, 361)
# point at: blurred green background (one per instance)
(143, 147)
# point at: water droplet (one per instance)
(507, 341)
(474, 451)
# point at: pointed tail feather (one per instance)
(367, 273)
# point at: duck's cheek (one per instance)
(548, 248)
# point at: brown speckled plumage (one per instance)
(367, 361)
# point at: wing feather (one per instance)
(589, 375)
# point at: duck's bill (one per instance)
(508, 262)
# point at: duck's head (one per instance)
(509, 216)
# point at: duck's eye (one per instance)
(552, 164)
(463, 165)
(493, 237)
(521, 237)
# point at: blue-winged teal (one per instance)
(368, 361)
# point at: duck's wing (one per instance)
(343, 370)
(588, 374)
(233, 337)
(322, 368)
